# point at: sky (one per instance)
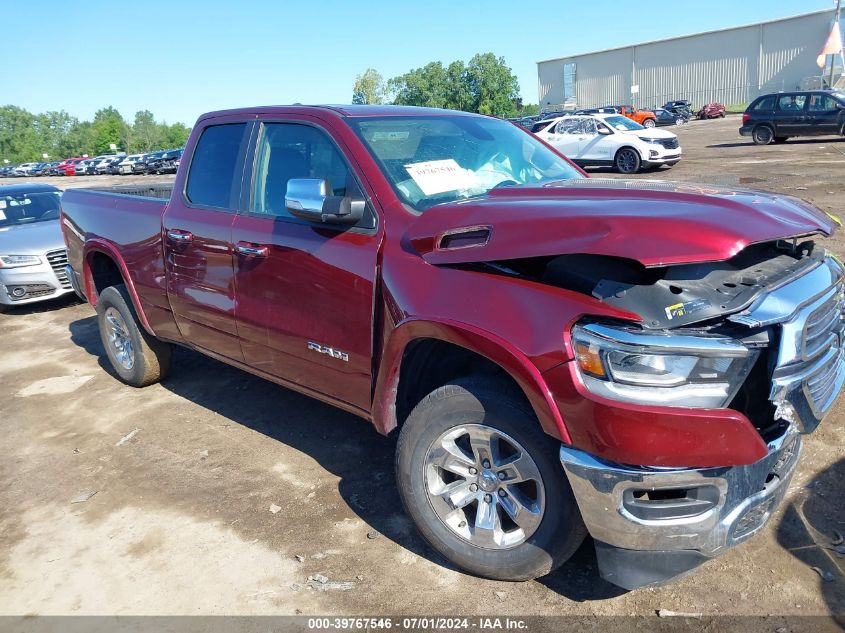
(181, 58)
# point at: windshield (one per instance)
(431, 160)
(26, 208)
(622, 123)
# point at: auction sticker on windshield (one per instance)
(439, 176)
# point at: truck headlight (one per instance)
(678, 370)
(16, 261)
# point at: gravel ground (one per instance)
(230, 492)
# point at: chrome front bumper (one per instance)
(652, 524)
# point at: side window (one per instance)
(764, 104)
(569, 126)
(589, 126)
(289, 150)
(212, 177)
(822, 103)
(791, 102)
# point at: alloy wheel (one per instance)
(119, 339)
(484, 486)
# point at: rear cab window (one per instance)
(214, 176)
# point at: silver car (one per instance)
(32, 248)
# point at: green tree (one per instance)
(109, 128)
(18, 135)
(175, 135)
(486, 85)
(369, 87)
(147, 135)
(424, 86)
(458, 95)
(494, 87)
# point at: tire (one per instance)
(780, 139)
(551, 529)
(138, 358)
(762, 135)
(721, 115)
(627, 161)
(649, 123)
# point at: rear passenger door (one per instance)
(197, 236)
(790, 115)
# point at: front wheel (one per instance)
(138, 358)
(484, 484)
(649, 123)
(627, 161)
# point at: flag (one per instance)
(833, 45)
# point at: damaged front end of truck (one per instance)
(740, 320)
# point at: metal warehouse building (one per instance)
(731, 66)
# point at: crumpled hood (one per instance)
(653, 222)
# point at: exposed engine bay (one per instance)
(692, 298)
(675, 296)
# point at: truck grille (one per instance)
(58, 260)
(823, 337)
(669, 143)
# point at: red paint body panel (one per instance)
(655, 223)
(372, 294)
(652, 436)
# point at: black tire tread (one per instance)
(152, 356)
(503, 391)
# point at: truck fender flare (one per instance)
(494, 348)
(95, 245)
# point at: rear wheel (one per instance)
(627, 161)
(138, 358)
(762, 135)
(484, 484)
(649, 123)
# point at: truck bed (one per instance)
(123, 222)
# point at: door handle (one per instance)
(249, 249)
(179, 236)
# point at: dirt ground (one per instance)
(182, 518)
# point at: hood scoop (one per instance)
(464, 237)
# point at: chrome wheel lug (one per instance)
(473, 487)
(486, 463)
(473, 471)
(502, 492)
(502, 474)
(488, 498)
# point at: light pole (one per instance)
(833, 57)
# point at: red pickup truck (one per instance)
(559, 355)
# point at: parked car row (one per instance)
(159, 162)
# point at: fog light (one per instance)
(653, 153)
(18, 292)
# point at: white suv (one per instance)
(610, 140)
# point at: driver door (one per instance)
(305, 291)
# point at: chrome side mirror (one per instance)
(307, 198)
